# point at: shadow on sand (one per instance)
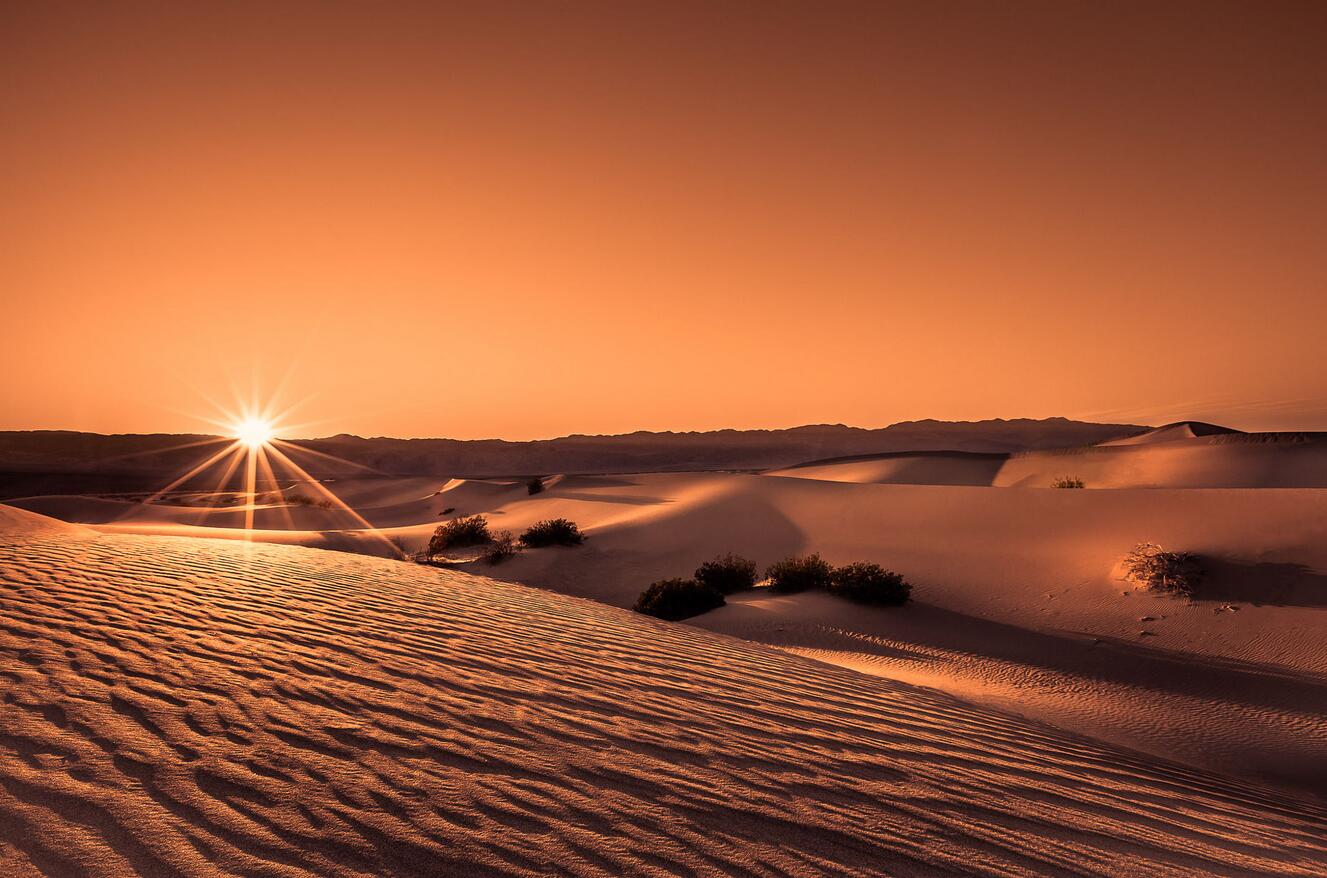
(1274, 584)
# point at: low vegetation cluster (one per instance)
(676, 599)
(1152, 568)
(459, 533)
(862, 581)
(552, 532)
(502, 548)
(471, 531)
(1068, 482)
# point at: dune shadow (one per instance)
(979, 472)
(592, 481)
(1261, 582)
(627, 499)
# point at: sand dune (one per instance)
(1184, 455)
(1018, 602)
(191, 707)
(907, 468)
(1172, 432)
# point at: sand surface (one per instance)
(1019, 606)
(177, 706)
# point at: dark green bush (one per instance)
(869, 583)
(553, 532)
(727, 574)
(535, 485)
(798, 574)
(458, 533)
(675, 599)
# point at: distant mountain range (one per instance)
(118, 458)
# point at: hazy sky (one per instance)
(533, 219)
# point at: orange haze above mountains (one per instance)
(523, 220)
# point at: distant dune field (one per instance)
(195, 707)
(1182, 455)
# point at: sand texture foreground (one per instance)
(176, 706)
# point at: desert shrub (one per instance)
(869, 583)
(552, 532)
(798, 574)
(727, 574)
(298, 499)
(675, 599)
(1068, 482)
(1152, 568)
(459, 533)
(535, 485)
(504, 547)
(448, 511)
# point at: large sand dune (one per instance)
(190, 707)
(1018, 603)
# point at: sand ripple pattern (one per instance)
(177, 707)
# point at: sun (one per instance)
(253, 432)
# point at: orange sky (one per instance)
(518, 222)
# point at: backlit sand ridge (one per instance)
(184, 707)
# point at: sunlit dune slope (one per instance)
(20, 524)
(1219, 460)
(185, 707)
(1018, 600)
(1172, 432)
(906, 468)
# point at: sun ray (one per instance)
(252, 427)
(335, 500)
(202, 467)
(250, 474)
(231, 466)
(331, 457)
(212, 441)
(265, 467)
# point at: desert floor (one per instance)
(279, 710)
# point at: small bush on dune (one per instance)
(1068, 482)
(727, 574)
(504, 547)
(869, 583)
(535, 485)
(553, 532)
(459, 533)
(798, 574)
(675, 599)
(1152, 568)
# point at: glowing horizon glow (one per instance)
(252, 444)
(254, 432)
